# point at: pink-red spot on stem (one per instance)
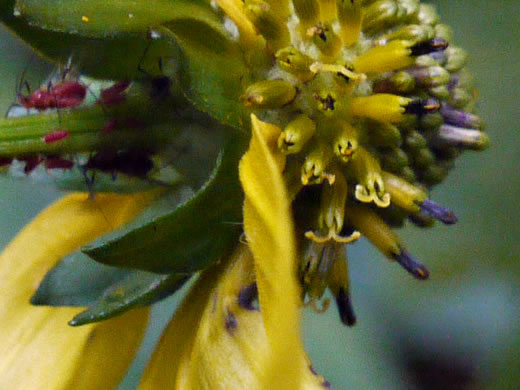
(56, 136)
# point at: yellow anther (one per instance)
(269, 94)
(318, 67)
(382, 107)
(367, 171)
(85, 19)
(296, 134)
(392, 56)
(350, 16)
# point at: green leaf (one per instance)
(137, 289)
(187, 238)
(76, 280)
(212, 70)
(101, 18)
(117, 58)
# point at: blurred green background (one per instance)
(460, 329)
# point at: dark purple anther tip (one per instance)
(460, 118)
(345, 309)
(422, 107)
(426, 47)
(231, 322)
(438, 212)
(248, 296)
(326, 384)
(406, 261)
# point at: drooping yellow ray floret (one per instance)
(62, 357)
(269, 231)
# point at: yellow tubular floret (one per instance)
(280, 8)
(295, 62)
(315, 165)
(374, 229)
(234, 9)
(328, 10)
(382, 107)
(404, 194)
(392, 56)
(268, 94)
(268, 22)
(38, 350)
(296, 134)
(308, 12)
(326, 40)
(332, 212)
(338, 282)
(346, 141)
(367, 171)
(350, 16)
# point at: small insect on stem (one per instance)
(56, 136)
(65, 94)
(56, 162)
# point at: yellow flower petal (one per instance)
(270, 234)
(178, 338)
(38, 350)
(214, 343)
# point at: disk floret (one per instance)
(374, 105)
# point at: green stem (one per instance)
(140, 124)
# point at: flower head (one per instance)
(331, 120)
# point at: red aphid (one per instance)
(58, 163)
(55, 136)
(114, 94)
(62, 95)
